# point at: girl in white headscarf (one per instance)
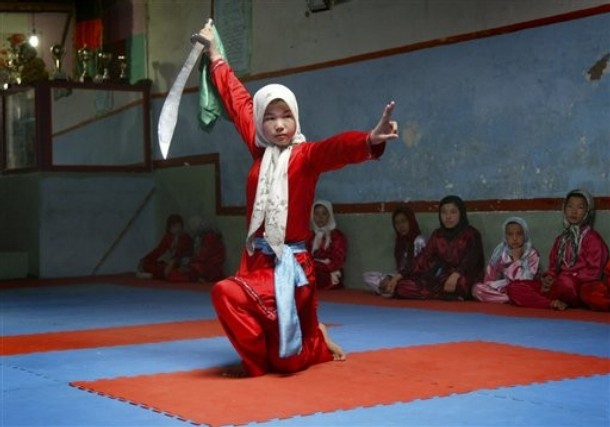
(269, 307)
(328, 246)
(513, 259)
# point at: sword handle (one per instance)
(197, 38)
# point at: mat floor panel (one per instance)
(60, 405)
(524, 406)
(63, 308)
(36, 390)
(361, 327)
(123, 361)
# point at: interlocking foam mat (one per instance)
(379, 377)
(151, 354)
(109, 337)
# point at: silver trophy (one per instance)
(123, 77)
(84, 57)
(103, 75)
(58, 52)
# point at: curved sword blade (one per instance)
(169, 111)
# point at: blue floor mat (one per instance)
(35, 390)
(63, 308)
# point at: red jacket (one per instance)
(178, 247)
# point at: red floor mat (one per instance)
(106, 337)
(365, 379)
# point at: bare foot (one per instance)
(333, 347)
(387, 287)
(558, 305)
(383, 285)
(144, 275)
(236, 371)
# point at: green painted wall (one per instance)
(190, 190)
(371, 238)
(187, 191)
(20, 217)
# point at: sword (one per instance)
(169, 111)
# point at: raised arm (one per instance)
(235, 97)
(353, 146)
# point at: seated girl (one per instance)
(576, 260)
(451, 262)
(173, 251)
(209, 255)
(408, 243)
(513, 259)
(328, 246)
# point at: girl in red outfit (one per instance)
(576, 262)
(451, 262)
(268, 309)
(408, 243)
(209, 255)
(173, 251)
(328, 246)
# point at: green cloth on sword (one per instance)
(210, 105)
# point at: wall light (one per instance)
(319, 5)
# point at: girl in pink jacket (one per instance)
(513, 259)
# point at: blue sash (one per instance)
(288, 273)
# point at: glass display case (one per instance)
(61, 125)
(19, 136)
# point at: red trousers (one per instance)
(596, 295)
(427, 287)
(527, 293)
(245, 305)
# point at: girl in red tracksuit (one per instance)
(268, 309)
(328, 246)
(173, 251)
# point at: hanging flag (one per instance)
(89, 26)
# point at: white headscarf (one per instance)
(322, 234)
(572, 234)
(271, 200)
(503, 251)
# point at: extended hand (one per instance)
(451, 283)
(517, 253)
(386, 128)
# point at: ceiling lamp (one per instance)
(33, 40)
